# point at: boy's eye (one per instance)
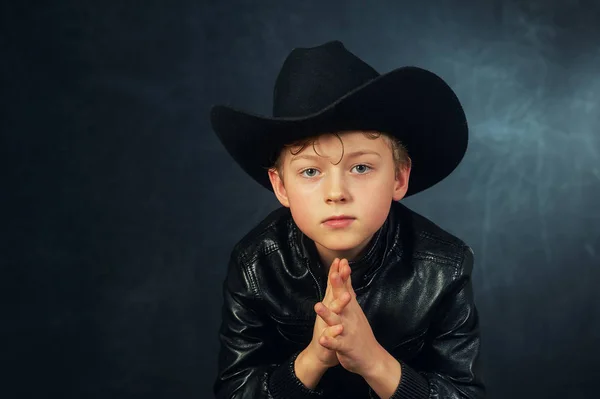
(311, 172)
(364, 168)
(308, 170)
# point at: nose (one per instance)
(336, 189)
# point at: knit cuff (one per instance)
(412, 385)
(284, 383)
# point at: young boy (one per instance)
(343, 292)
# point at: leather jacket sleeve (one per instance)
(452, 357)
(248, 367)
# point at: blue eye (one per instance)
(305, 170)
(365, 166)
(363, 170)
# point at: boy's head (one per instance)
(355, 173)
(327, 88)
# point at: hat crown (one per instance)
(313, 78)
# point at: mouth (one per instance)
(340, 217)
(338, 221)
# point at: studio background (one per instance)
(120, 207)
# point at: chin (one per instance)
(340, 244)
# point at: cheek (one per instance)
(302, 216)
(301, 206)
(305, 190)
(375, 190)
(301, 196)
(376, 202)
(376, 206)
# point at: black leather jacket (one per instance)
(413, 284)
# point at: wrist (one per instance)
(308, 369)
(383, 363)
(312, 361)
(385, 374)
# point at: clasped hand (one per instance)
(348, 334)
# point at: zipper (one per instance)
(319, 289)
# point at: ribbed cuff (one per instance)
(412, 385)
(284, 383)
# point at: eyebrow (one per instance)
(350, 155)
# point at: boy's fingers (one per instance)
(345, 270)
(327, 315)
(349, 287)
(337, 285)
(333, 331)
(327, 338)
(335, 267)
(330, 343)
(339, 281)
(327, 293)
(332, 269)
(338, 305)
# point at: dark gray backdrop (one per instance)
(120, 208)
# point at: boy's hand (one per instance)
(328, 325)
(355, 346)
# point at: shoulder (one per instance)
(264, 238)
(430, 241)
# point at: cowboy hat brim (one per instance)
(412, 104)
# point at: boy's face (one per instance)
(318, 186)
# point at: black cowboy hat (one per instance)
(328, 89)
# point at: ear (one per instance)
(401, 182)
(278, 187)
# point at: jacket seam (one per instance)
(440, 240)
(441, 259)
(461, 267)
(456, 264)
(247, 269)
(249, 275)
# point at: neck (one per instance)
(327, 256)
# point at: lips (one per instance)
(341, 217)
(338, 222)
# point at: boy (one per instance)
(343, 292)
